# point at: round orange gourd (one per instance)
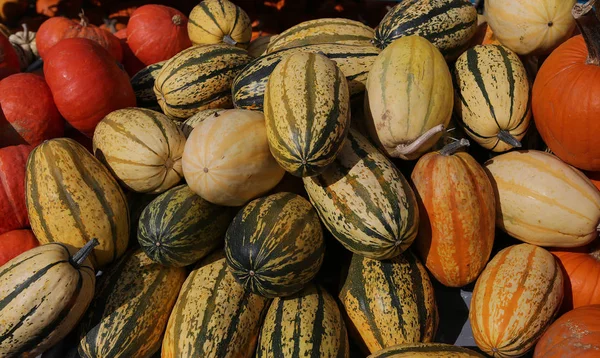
(14, 243)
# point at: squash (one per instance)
(86, 83)
(14, 243)
(322, 31)
(219, 21)
(543, 201)
(407, 126)
(227, 161)
(51, 8)
(281, 260)
(28, 105)
(56, 29)
(131, 63)
(259, 45)
(575, 334)
(531, 27)
(156, 33)
(44, 292)
(71, 198)
(515, 299)
(199, 78)
(143, 86)
(188, 126)
(492, 97)
(306, 324)
(214, 316)
(11, 10)
(566, 119)
(364, 201)
(457, 214)
(129, 312)
(142, 148)
(13, 211)
(426, 350)
(389, 302)
(311, 93)
(447, 24)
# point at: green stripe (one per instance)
(181, 305)
(209, 13)
(32, 197)
(427, 348)
(190, 20)
(208, 312)
(318, 324)
(461, 26)
(6, 269)
(297, 326)
(20, 288)
(237, 16)
(473, 65)
(317, 24)
(241, 306)
(206, 101)
(204, 77)
(276, 337)
(509, 77)
(154, 117)
(417, 277)
(122, 130)
(289, 116)
(386, 269)
(309, 83)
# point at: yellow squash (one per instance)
(219, 21)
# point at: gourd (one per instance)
(188, 126)
(142, 83)
(13, 212)
(13, 243)
(219, 21)
(425, 350)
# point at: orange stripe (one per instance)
(487, 294)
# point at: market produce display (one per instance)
(274, 179)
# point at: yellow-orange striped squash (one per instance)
(457, 215)
(409, 97)
(543, 201)
(227, 161)
(515, 299)
(219, 21)
(426, 350)
(72, 198)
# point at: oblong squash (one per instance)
(142, 148)
(188, 126)
(199, 78)
(130, 310)
(364, 201)
(72, 198)
(219, 21)
(43, 294)
(214, 316)
(543, 201)
(143, 86)
(515, 299)
(492, 96)
(409, 97)
(426, 350)
(389, 302)
(307, 324)
(307, 112)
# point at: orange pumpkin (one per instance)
(575, 334)
(457, 211)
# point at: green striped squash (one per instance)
(492, 96)
(199, 78)
(214, 316)
(129, 312)
(323, 31)
(306, 324)
(219, 21)
(143, 86)
(274, 246)
(307, 113)
(354, 61)
(365, 202)
(72, 198)
(259, 45)
(188, 126)
(389, 302)
(43, 294)
(426, 350)
(179, 228)
(448, 24)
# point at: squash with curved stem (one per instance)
(219, 21)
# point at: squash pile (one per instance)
(179, 189)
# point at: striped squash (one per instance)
(457, 215)
(219, 21)
(543, 201)
(142, 148)
(188, 126)
(43, 294)
(426, 350)
(130, 310)
(492, 96)
(354, 61)
(72, 198)
(364, 201)
(259, 45)
(409, 97)
(198, 78)
(179, 228)
(307, 112)
(515, 299)
(214, 316)
(274, 246)
(323, 31)
(143, 86)
(448, 24)
(307, 324)
(389, 302)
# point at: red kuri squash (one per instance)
(156, 33)
(86, 82)
(13, 213)
(14, 243)
(131, 63)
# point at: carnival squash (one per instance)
(426, 350)
(13, 212)
(14, 243)
(188, 126)
(219, 21)
(143, 86)
(259, 45)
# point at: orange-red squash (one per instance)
(131, 63)
(14, 243)
(13, 212)
(9, 61)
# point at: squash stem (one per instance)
(589, 25)
(451, 148)
(84, 20)
(229, 40)
(84, 252)
(509, 139)
(404, 150)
